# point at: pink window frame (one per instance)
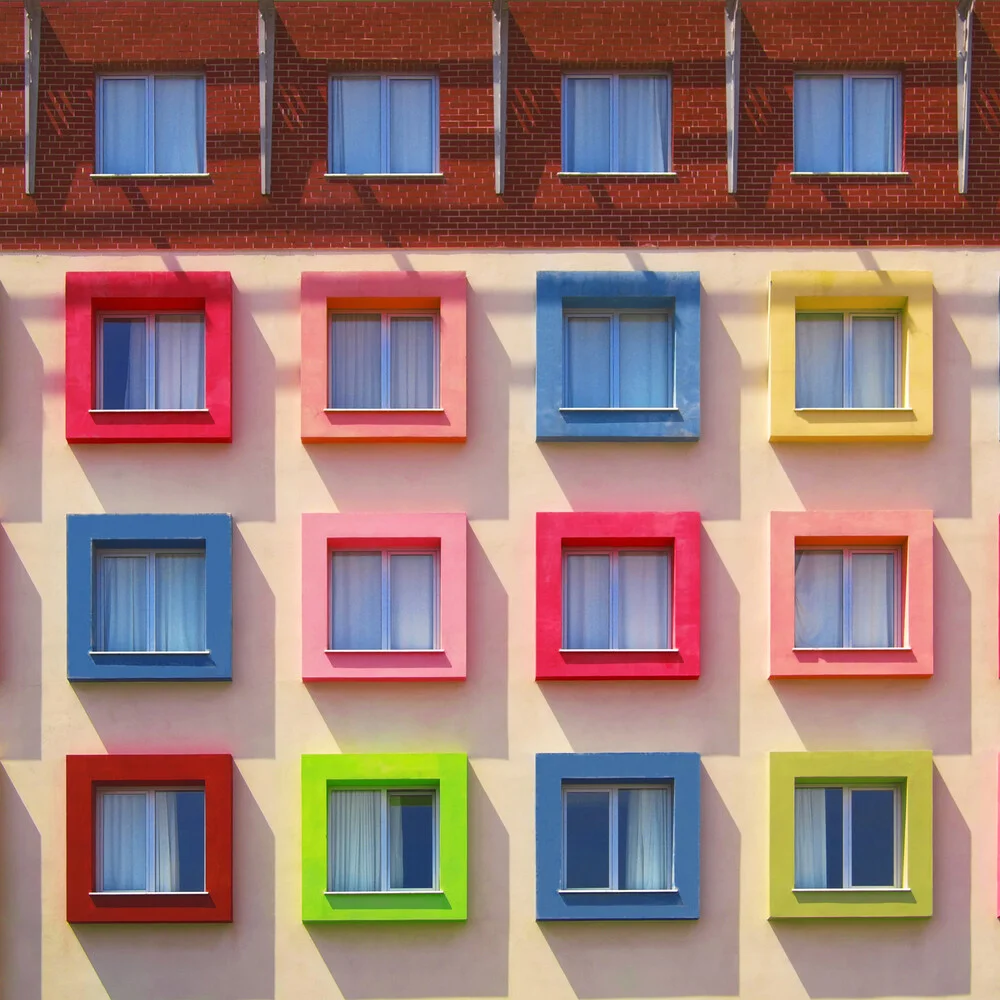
(679, 531)
(443, 293)
(326, 533)
(910, 530)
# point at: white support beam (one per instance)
(32, 36)
(500, 36)
(732, 90)
(963, 15)
(265, 52)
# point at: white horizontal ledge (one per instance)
(853, 409)
(861, 888)
(146, 177)
(577, 649)
(860, 174)
(387, 892)
(619, 409)
(852, 649)
(617, 892)
(382, 177)
(151, 652)
(383, 409)
(146, 892)
(653, 175)
(144, 412)
(389, 652)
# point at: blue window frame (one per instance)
(618, 355)
(192, 552)
(588, 806)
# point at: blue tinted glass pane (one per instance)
(873, 836)
(191, 841)
(411, 841)
(835, 838)
(123, 364)
(588, 840)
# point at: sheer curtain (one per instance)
(647, 837)
(412, 363)
(818, 113)
(819, 599)
(357, 600)
(123, 841)
(412, 127)
(643, 600)
(587, 601)
(178, 125)
(645, 365)
(123, 126)
(123, 616)
(873, 599)
(873, 369)
(643, 124)
(180, 363)
(588, 361)
(819, 361)
(180, 601)
(355, 841)
(412, 589)
(810, 838)
(588, 124)
(873, 113)
(356, 126)
(167, 846)
(123, 364)
(356, 363)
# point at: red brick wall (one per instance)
(539, 209)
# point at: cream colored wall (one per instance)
(267, 717)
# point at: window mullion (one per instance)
(386, 603)
(613, 839)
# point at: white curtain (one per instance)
(355, 841)
(818, 113)
(810, 838)
(412, 363)
(643, 600)
(588, 125)
(819, 599)
(645, 367)
(356, 126)
(587, 601)
(412, 587)
(123, 841)
(873, 102)
(873, 599)
(356, 362)
(873, 339)
(412, 126)
(647, 837)
(123, 603)
(643, 124)
(123, 126)
(178, 125)
(357, 600)
(588, 361)
(180, 363)
(180, 601)
(167, 842)
(397, 872)
(819, 361)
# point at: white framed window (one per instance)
(384, 600)
(617, 599)
(151, 124)
(384, 361)
(848, 598)
(616, 123)
(848, 122)
(383, 840)
(618, 360)
(383, 124)
(848, 360)
(848, 836)
(618, 838)
(150, 600)
(154, 361)
(150, 840)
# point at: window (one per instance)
(151, 125)
(384, 600)
(848, 598)
(619, 360)
(618, 838)
(151, 840)
(847, 837)
(382, 840)
(150, 601)
(383, 362)
(383, 125)
(617, 599)
(616, 124)
(847, 123)
(151, 362)
(847, 360)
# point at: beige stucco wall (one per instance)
(267, 717)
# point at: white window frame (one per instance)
(614, 789)
(385, 854)
(615, 316)
(387, 555)
(150, 319)
(100, 553)
(150, 793)
(614, 105)
(385, 362)
(847, 92)
(149, 80)
(849, 316)
(384, 80)
(848, 852)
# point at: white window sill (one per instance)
(135, 412)
(145, 177)
(853, 409)
(860, 888)
(144, 892)
(617, 173)
(150, 652)
(852, 649)
(618, 892)
(577, 649)
(850, 173)
(388, 652)
(389, 892)
(383, 409)
(619, 409)
(384, 177)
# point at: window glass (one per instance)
(179, 600)
(818, 114)
(356, 362)
(873, 361)
(123, 126)
(819, 599)
(873, 599)
(645, 362)
(588, 124)
(411, 126)
(355, 841)
(643, 600)
(587, 601)
(123, 841)
(643, 124)
(588, 840)
(411, 840)
(178, 125)
(873, 128)
(645, 835)
(412, 600)
(179, 365)
(357, 600)
(356, 126)
(412, 362)
(819, 361)
(588, 361)
(873, 837)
